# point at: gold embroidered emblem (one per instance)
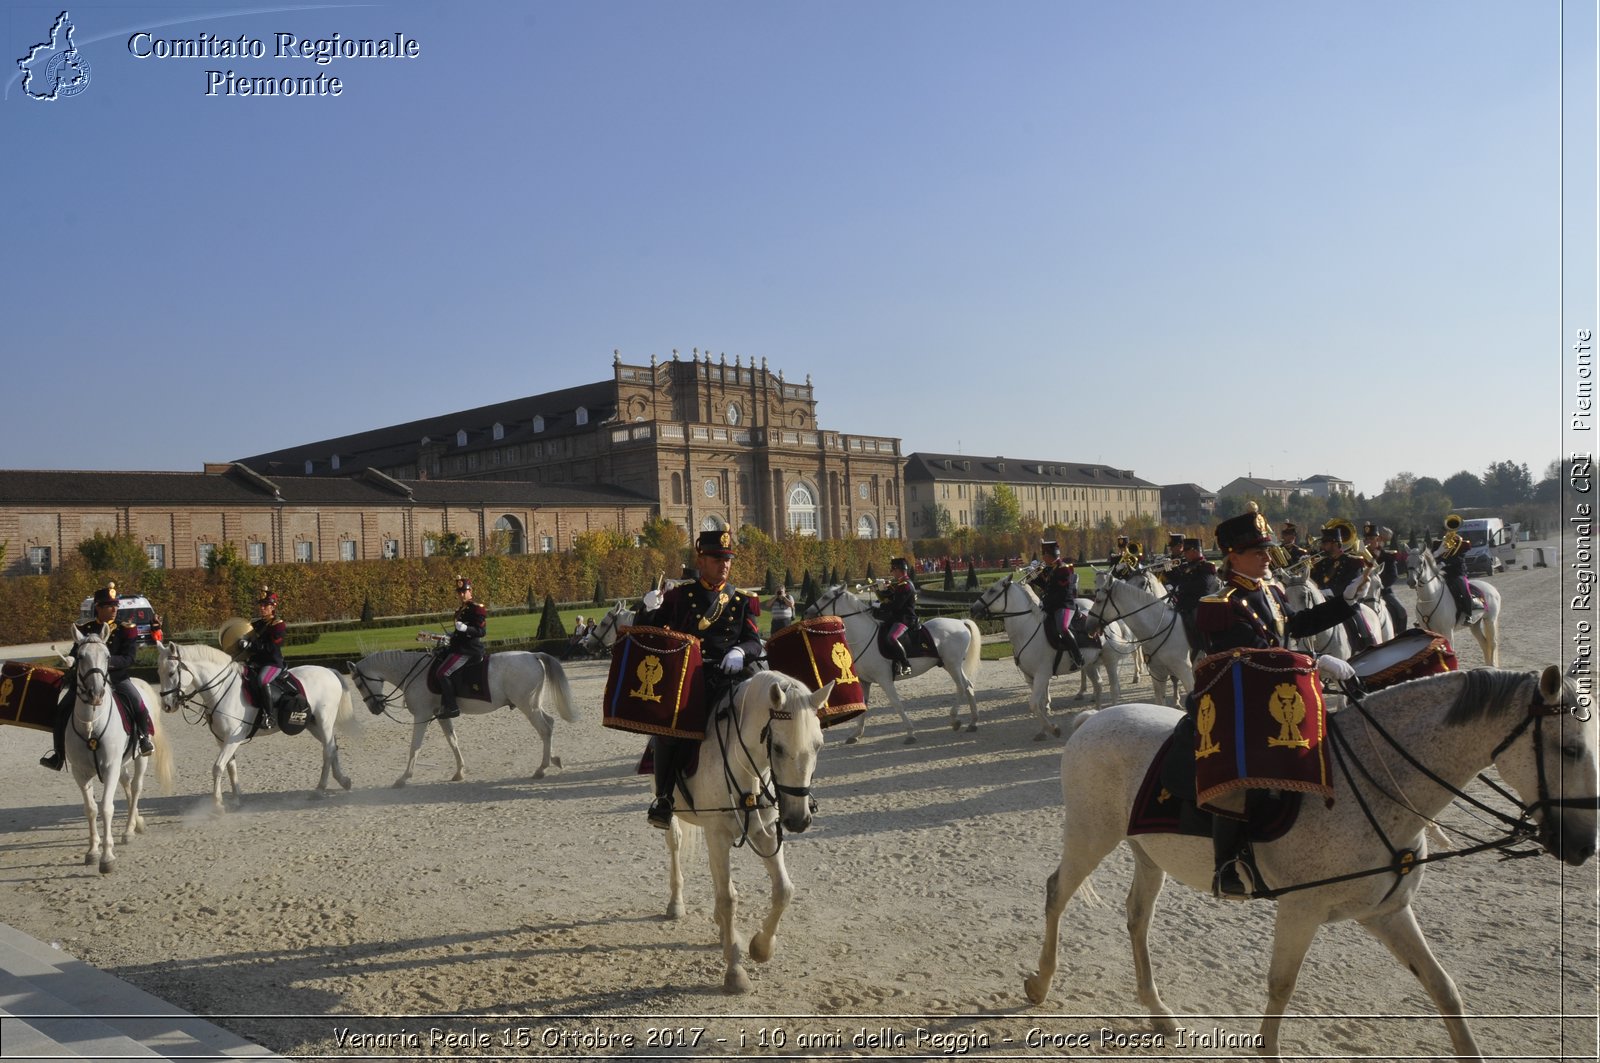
(715, 611)
(843, 662)
(650, 673)
(1289, 709)
(1164, 796)
(1205, 721)
(6, 687)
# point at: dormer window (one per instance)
(538, 422)
(333, 463)
(499, 430)
(581, 415)
(308, 466)
(461, 437)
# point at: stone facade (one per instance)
(1053, 492)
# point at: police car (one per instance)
(132, 609)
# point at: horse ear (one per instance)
(1550, 685)
(77, 636)
(776, 692)
(819, 700)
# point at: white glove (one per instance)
(1033, 566)
(734, 661)
(461, 625)
(1334, 668)
(652, 600)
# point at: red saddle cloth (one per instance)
(655, 684)
(471, 679)
(816, 653)
(28, 694)
(1260, 723)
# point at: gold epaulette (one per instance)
(1227, 593)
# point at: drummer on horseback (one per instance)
(1056, 583)
(726, 621)
(122, 643)
(1389, 564)
(1340, 572)
(1251, 612)
(1451, 553)
(263, 650)
(897, 613)
(465, 647)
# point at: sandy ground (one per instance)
(523, 918)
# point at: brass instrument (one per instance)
(1452, 535)
(233, 629)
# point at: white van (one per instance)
(1492, 545)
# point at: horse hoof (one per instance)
(1040, 737)
(345, 782)
(1056, 731)
(736, 982)
(398, 784)
(852, 740)
(1036, 987)
(760, 948)
(539, 774)
(971, 727)
(458, 776)
(90, 858)
(675, 910)
(107, 866)
(955, 725)
(555, 762)
(909, 740)
(1165, 1024)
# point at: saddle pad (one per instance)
(1260, 723)
(290, 704)
(1160, 809)
(29, 694)
(471, 679)
(816, 653)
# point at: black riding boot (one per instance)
(1070, 643)
(264, 704)
(448, 709)
(58, 732)
(1227, 848)
(665, 754)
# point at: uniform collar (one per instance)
(1239, 579)
(709, 587)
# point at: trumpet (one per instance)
(433, 636)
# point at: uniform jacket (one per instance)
(122, 642)
(1056, 583)
(1192, 581)
(1336, 574)
(266, 642)
(1253, 614)
(1388, 562)
(470, 642)
(897, 602)
(722, 618)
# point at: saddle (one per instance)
(290, 705)
(1166, 800)
(471, 680)
(1079, 626)
(916, 642)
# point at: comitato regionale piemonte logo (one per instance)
(54, 69)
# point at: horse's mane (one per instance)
(1489, 692)
(207, 654)
(385, 657)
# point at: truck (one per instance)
(1492, 545)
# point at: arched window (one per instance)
(538, 422)
(461, 437)
(677, 490)
(711, 524)
(499, 430)
(866, 527)
(508, 531)
(802, 510)
(581, 415)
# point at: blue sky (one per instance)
(1192, 239)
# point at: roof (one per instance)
(1323, 477)
(397, 444)
(240, 486)
(924, 465)
(1190, 488)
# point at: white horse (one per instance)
(753, 783)
(517, 678)
(197, 675)
(99, 750)
(1436, 607)
(1531, 728)
(958, 642)
(1302, 593)
(1017, 604)
(1140, 602)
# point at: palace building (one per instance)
(1052, 491)
(706, 441)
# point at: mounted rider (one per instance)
(1122, 554)
(1251, 612)
(1194, 578)
(1340, 571)
(1165, 566)
(122, 643)
(262, 646)
(727, 623)
(1389, 564)
(897, 613)
(1450, 551)
(465, 647)
(1055, 581)
(1290, 545)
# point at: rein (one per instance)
(1097, 614)
(386, 702)
(225, 676)
(1404, 861)
(765, 795)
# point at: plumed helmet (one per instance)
(106, 595)
(463, 584)
(715, 543)
(268, 597)
(1248, 529)
(1191, 542)
(899, 564)
(1050, 548)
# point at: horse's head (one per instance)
(790, 730)
(604, 634)
(364, 687)
(93, 669)
(827, 604)
(1425, 570)
(1556, 773)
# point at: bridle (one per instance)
(85, 687)
(833, 598)
(607, 627)
(747, 803)
(379, 705)
(1102, 597)
(207, 694)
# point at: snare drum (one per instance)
(29, 694)
(1413, 654)
(816, 653)
(655, 684)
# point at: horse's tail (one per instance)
(561, 689)
(161, 760)
(974, 657)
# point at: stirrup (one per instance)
(53, 761)
(1233, 882)
(146, 746)
(660, 814)
(447, 712)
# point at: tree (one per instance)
(114, 553)
(1002, 512)
(939, 520)
(1465, 490)
(448, 544)
(662, 534)
(224, 557)
(972, 576)
(550, 625)
(949, 576)
(1506, 483)
(1400, 484)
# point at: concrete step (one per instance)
(55, 1006)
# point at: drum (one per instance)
(1259, 724)
(29, 694)
(1412, 654)
(655, 685)
(816, 653)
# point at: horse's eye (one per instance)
(1573, 752)
(777, 751)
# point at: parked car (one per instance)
(132, 609)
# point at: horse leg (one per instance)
(545, 726)
(1077, 861)
(762, 941)
(225, 763)
(675, 869)
(1399, 931)
(861, 721)
(108, 812)
(1040, 703)
(448, 726)
(1148, 879)
(323, 732)
(900, 707)
(720, 852)
(92, 814)
(419, 728)
(1291, 940)
(132, 786)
